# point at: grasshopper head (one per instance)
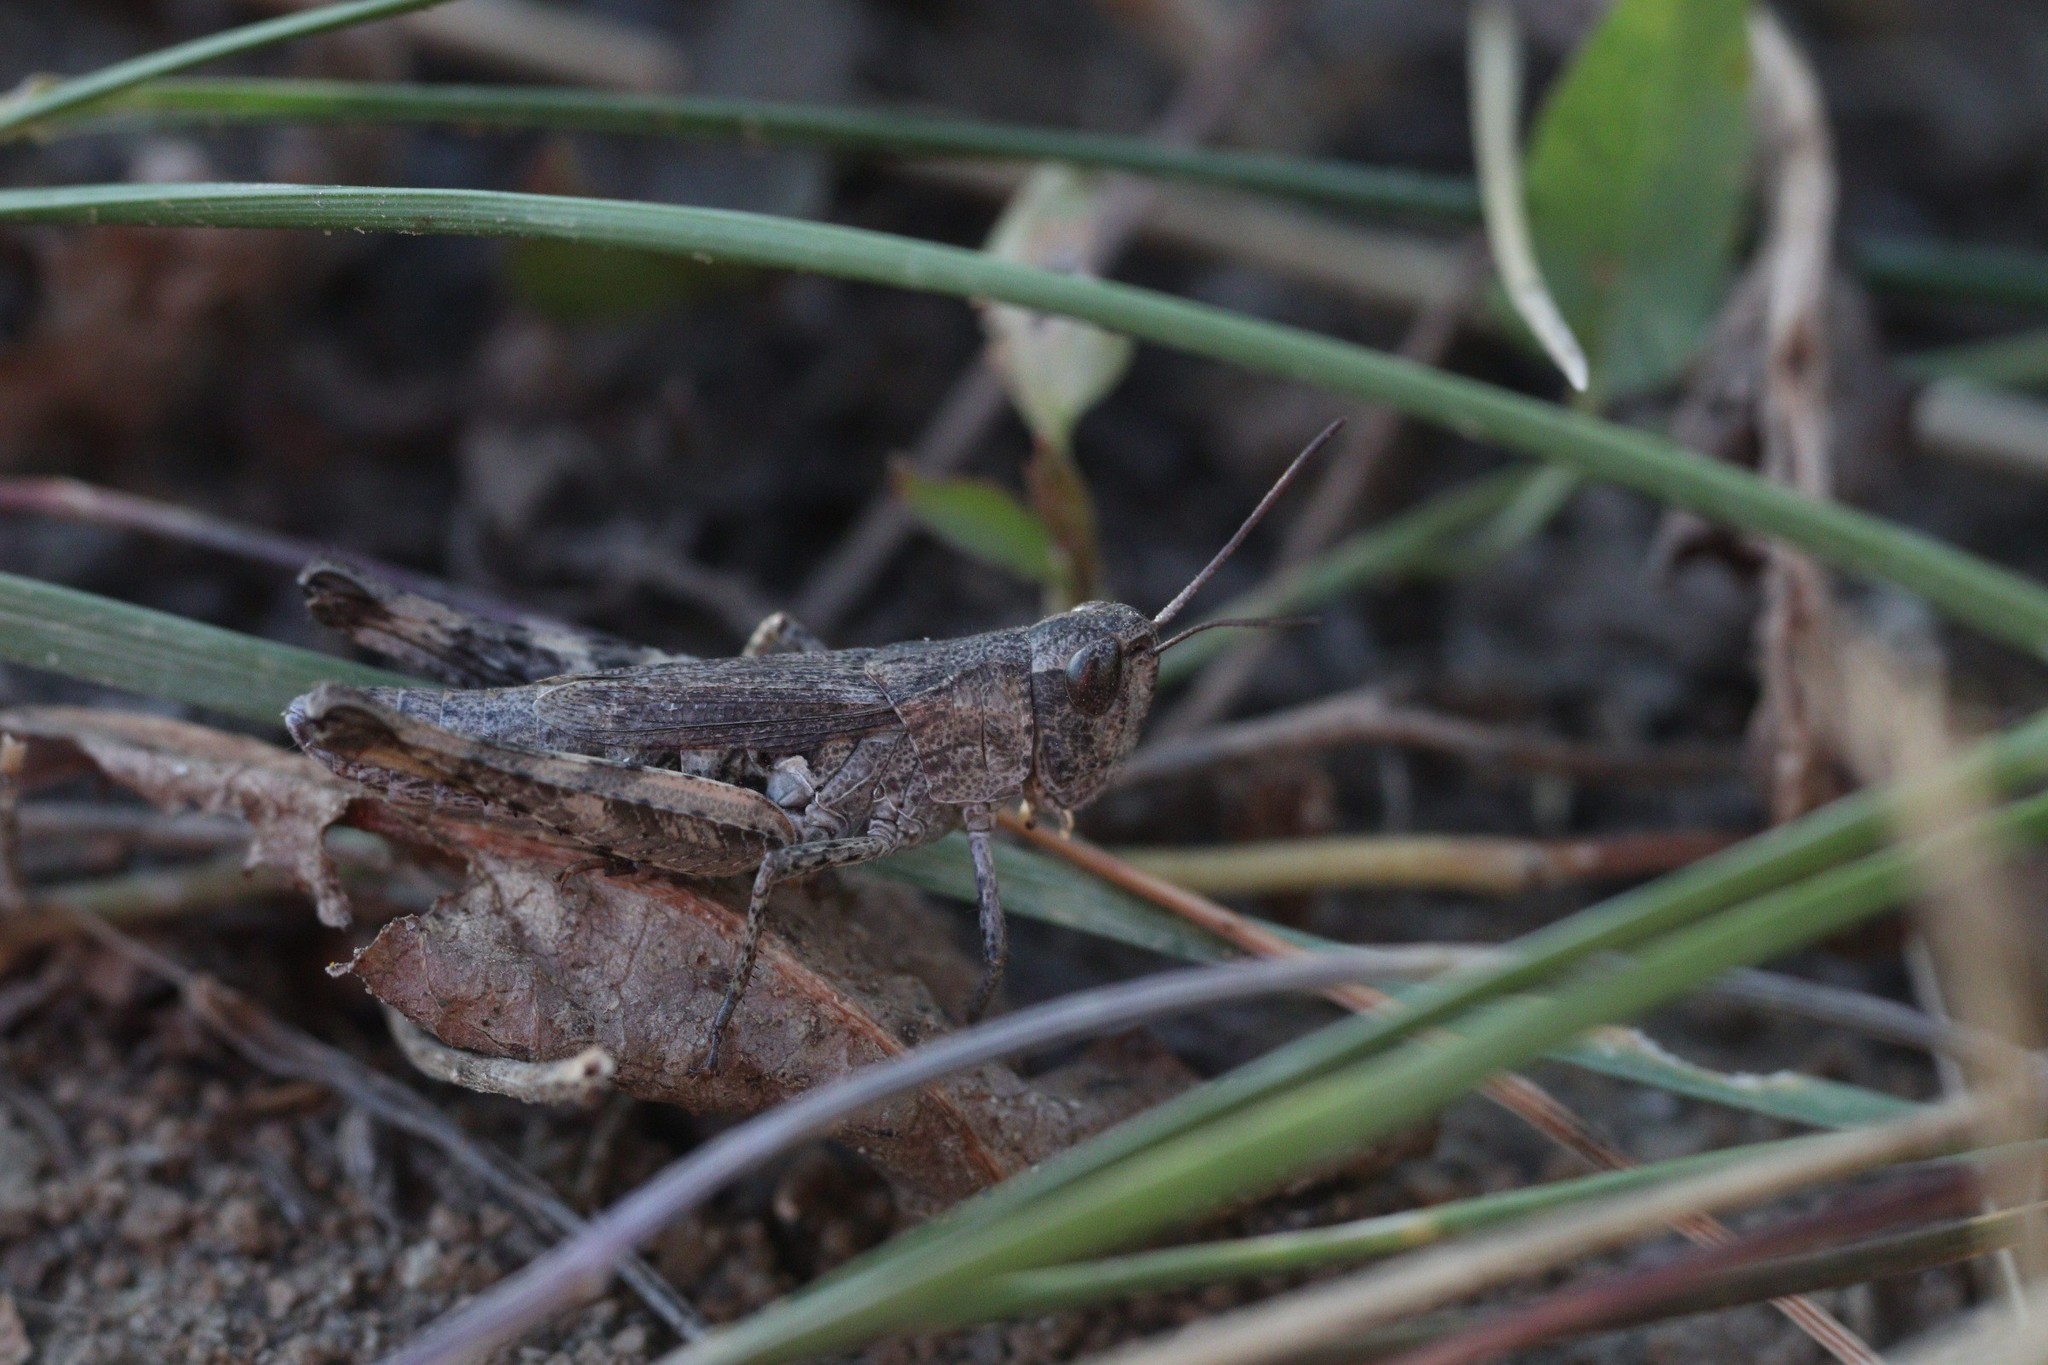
(1094, 669)
(1092, 674)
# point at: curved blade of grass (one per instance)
(34, 105)
(2000, 603)
(113, 644)
(1318, 1119)
(888, 132)
(2003, 276)
(1058, 1288)
(1045, 889)
(1495, 76)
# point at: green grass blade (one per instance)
(876, 131)
(1045, 889)
(93, 639)
(1341, 1111)
(1984, 273)
(1056, 1288)
(2020, 360)
(35, 105)
(1919, 266)
(1996, 601)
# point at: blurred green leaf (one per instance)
(1055, 369)
(1636, 173)
(981, 519)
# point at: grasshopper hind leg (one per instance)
(780, 865)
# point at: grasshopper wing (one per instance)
(452, 645)
(776, 703)
(667, 819)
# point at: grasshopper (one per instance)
(788, 759)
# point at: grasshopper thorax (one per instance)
(1093, 670)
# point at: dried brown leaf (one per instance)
(288, 801)
(538, 958)
(535, 960)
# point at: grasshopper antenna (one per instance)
(1280, 486)
(1240, 623)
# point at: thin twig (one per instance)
(1962, 419)
(1513, 1092)
(552, 41)
(1482, 864)
(1366, 716)
(581, 1264)
(623, 562)
(88, 504)
(274, 1046)
(13, 887)
(976, 400)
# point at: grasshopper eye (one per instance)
(1093, 675)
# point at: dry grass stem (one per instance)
(1972, 923)
(1366, 716)
(88, 504)
(1297, 1324)
(1795, 263)
(1495, 80)
(550, 41)
(2000, 430)
(1481, 864)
